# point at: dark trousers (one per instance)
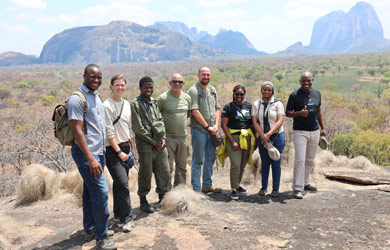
(120, 189)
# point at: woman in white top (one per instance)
(120, 141)
(267, 118)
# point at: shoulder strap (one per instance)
(84, 100)
(120, 113)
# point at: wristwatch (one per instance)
(207, 126)
(118, 152)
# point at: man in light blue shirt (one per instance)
(88, 153)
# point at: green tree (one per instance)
(46, 100)
(278, 75)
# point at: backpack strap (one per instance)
(84, 100)
(120, 113)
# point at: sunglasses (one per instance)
(177, 81)
(239, 94)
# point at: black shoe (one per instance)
(233, 195)
(275, 193)
(241, 190)
(262, 191)
(310, 188)
(145, 206)
(105, 244)
(90, 235)
(160, 197)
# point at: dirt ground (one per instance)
(339, 216)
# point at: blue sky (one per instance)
(25, 25)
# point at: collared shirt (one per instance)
(204, 101)
(94, 118)
(275, 109)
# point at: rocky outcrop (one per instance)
(11, 58)
(297, 49)
(359, 30)
(120, 42)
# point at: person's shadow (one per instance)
(252, 198)
(74, 240)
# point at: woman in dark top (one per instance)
(239, 138)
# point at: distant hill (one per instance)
(359, 30)
(297, 49)
(11, 58)
(233, 42)
(120, 42)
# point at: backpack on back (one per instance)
(62, 130)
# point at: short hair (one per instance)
(202, 67)
(117, 77)
(91, 65)
(144, 80)
(237, 87)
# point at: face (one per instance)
(176, 83)
(266, 91)
(119, 87)
(204, 75)
(147, 90)
(306, 82)
(239, 96)
(93, 78)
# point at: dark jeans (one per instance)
(120, 189)
(279, 143)
(95, 195)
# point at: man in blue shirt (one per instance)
(88, 154)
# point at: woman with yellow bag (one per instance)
(239, 140)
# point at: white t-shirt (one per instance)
(122, 130)
(275, 110)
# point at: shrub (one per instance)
(342, 144)
(24, 85)
(5, 93)
(46, 100)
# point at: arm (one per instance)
(321, 122)
(225, 129)
(274, 129)
(217, 121)
(114, 144)
(293, 114)
(77, 130)
(138, 127)
(199, 118)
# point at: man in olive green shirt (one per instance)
(205, 118)
(149, 133)
(174, 105)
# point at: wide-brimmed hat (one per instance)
(323, 143)
(130, 161)
(273, 152)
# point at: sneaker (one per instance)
(128, 226)
(310, 188)
(105, 244)
(90, 235)
(262, 191)
(147, 208)
(211, 189)
(233, 195)
(116, 219)
(297, 194)
(275, 193)
(241, 190)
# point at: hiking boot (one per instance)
(297, 194)
(211, 189)
(105, 244)
(241, 190)
(90, 235)
(262, 191)
(128, 226)
(275, 193)
(310, 188)
(233, 195)
(145, 206)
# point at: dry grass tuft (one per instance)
(36, 183)
(183, 199)
(11, 233)
(360, 162)
(73, 183)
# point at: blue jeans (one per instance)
(266, 162)
(203, 152)
(95, 195)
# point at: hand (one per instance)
(212, 130)
(264, 139)
(157, 145)
(94, 168)
(235, 146)
(323, 132)
(304, 112)
(162, 146)
(134, 152)
(123, 156)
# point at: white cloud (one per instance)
(20, 31)
(63, 18)
(22, 16)
(29, 4)
(179, 8)
(120, 10)
(218, 3)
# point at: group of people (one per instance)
(155, 132)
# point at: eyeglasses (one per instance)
(177, 81)
(239, 94)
